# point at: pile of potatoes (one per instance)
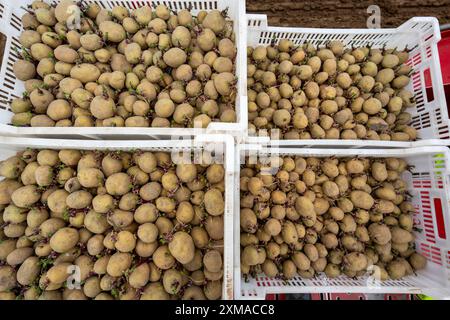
(135, 224)
(332, 216)
(144, 68)
(331, 92)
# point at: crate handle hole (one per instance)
(429, 84)
(439, 218)
(2, 47)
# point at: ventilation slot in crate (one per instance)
(431, 252)
(421, 180)
(428, 221)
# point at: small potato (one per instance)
(118, 264)
(396, 269)
(175, 57)
(103, 203)
(146, 213)
(146, 162)
(13, 214)
(79, 200)
(91, 42)
(355, 261)
(152, 191)
(305, 208)
(118, 184)
(379, 171)
(214, 202)
(58, 273)
(148, 232)
(120, 219)
(400, 235)
(85, 73)
(417, 261)
(301, 261)
(361, 199)
(18, 256)
(6, 247)
(24, 70)
(7, 188)
(125, 241)
(182, 247)
(162, 258)
(95, 245)
(215, 227)
(140, 276)
(96, 222)
(272, 227)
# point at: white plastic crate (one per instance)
(429, 185)
(421, 34)
(10, 87)
(224, 145)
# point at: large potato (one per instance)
(214, 202)
(118, 264)
(79, 199)
(7, 188)
(57, 201)
(25, 196)
(140, 276)
(118, 184)
(50, 226)
(112, 31)
(18, 256)
(90, 177)
(182, 247)
(64, 239)
(28, 271)
(85, 73)
(6, 247)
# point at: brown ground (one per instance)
(346, 13)
(340, 13)
(2, 47)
